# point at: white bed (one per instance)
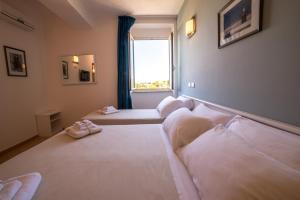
(134, 116)
(133, 162)
(141, 116)
(122, 162)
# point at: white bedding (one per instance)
(122, 162)
(130, 116)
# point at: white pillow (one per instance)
(224, 167)
(281, 145)
(182, 127)
(215, 116)
(187, 102)
(168, 105)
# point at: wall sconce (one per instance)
(75, 59)
(190, 27)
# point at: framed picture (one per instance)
(65, 69)
(15, 61)
(239, 19)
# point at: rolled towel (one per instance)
(75, 133)
(87, 122)
(79, 126)
(87, 129)
(83, 125)
(108, 110)
(30, 183)
(10, 189)
(111, 108)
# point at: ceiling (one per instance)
(83, 13)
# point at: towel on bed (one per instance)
(9, 190)
(108, 110)
(30, 183)
(82, 129)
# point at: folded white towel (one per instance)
(108, 110)
(9, 190)
(83, 125)
(82, 129)
(88, 122)
(30, 183)
(79, 125)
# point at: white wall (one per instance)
(75, 101)
(22, 97)
(148, 100)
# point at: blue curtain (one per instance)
(124, 98)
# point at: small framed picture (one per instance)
(65, 69)
(239, 19)
(15, 61)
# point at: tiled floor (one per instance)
(8, 154)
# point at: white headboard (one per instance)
(277, 124)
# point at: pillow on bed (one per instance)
(224, 167)
(281, 145)
(182, 127)
(187, 102)
(215, 116)
(168, 105)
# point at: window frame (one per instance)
(171, 63)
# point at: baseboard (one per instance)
(17, 145)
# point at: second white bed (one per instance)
(126, 116)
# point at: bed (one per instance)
(134, 116)
(141, 116)
(121, 162)
(133, 162)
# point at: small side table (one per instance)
(48, 123)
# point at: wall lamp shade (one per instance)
(75, 59)
(190, 27)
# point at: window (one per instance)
(151, 66)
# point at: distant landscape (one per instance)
(153, 85)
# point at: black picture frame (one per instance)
(65, 69)
(15, 61)
(239, 19)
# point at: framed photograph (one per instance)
(15, 61)
(65, 69)
(239, 19)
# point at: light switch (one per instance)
(192, 84)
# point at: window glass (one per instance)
(151, 66)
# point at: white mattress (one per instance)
(130, 116)
(122, 162)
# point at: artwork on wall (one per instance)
(65, 69)
(15, 61)
(239, 19)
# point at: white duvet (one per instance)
(121, 162)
